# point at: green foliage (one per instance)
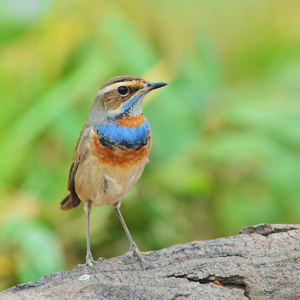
(226, 138)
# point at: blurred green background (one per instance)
(226, 130)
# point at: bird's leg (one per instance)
(133, 246)
(89, 258)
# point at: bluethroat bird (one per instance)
(111, 151)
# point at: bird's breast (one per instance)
(124, 142)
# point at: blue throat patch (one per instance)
(123, 137)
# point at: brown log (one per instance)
(262, 262)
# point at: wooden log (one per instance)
(262, 262)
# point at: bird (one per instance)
(111, 152)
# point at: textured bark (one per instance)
(262, 262)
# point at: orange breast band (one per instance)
(117, 156)
(132, 122)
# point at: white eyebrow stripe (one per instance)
(109, 88)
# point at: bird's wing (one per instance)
(72, 200)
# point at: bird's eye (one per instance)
(123, 90)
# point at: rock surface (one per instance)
(262, 262)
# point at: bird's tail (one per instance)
(67, 203)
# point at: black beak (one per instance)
(154, 85)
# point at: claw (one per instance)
(90, 262)
(100, 259)
(134, 249)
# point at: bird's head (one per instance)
(122, 95)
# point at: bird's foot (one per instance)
(90, 262)
(134, 249)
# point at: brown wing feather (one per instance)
(71, 186)
(72, 200)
